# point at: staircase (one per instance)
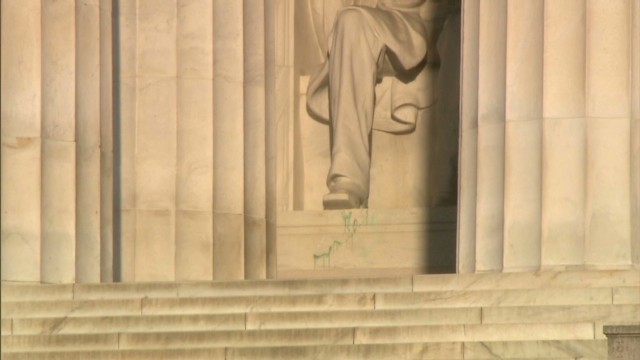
(542, 315)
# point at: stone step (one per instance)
(12, 291)
(357, 301)
(300, 337)
(528, 280)
(32, 292)
(512, 297)
(596, 314)
(548, 350)
(184, 306)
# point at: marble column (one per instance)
(194, 178)
(193, 146)
(563, 77)
(21, 94)
(564, 139)
(523, 135)
(491, 132)
(635, 132)
(56, 123)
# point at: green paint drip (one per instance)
(351, 226)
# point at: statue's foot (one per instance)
(341, 200)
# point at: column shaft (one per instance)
(194, 194)
(59, 146)
(88, 204)
(106, 142)
(155, 143)
(523, 135)
(564, 126)
(491, 117)
(228, 113)
(255, 246)
(126, 84)
(635, 132)
(468, 139)
(607, 216)
(20, 93)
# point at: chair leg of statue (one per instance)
(353, 68)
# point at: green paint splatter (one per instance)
(351, 226)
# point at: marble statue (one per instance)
(366, 43)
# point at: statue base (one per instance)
(366, 242)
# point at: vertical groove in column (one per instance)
(635, 132)
(255, 247)
(194, 193)
(523, 135)
(126, 83)
(469, 139)
(59, 146)
(106, 143)
(228, 114)
(271, 137)
(564, 126)
(20, 96)
(491, 123)
(607, 217)
(88, 203)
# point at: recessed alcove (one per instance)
(410, 224)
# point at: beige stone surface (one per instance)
(559, 314)
(224, 338)
(257, 303)
(626, 295)
(129, 324)
(21, 68)
(155, 156)
(291, 287)
(21, 202)
(228, 246)
(28, 291)
(535, 349)
(61, 308)
(528, 280)
(406, 241)
(7, 326)
(155, 245)
(175, 354)
(518, 297)
(563, 191)
(61, 342)
(58, 71)
(194, 245)
(449, 350)
(607, 203)
(156, 38)
(301, 320)
(58, 212)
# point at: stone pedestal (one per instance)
(354, 243)
(624, 341)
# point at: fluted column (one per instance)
(194, 178)
(21, 47)
(635, 132)
(607, 208)
(523, 135)
(491, 127)
(468, 138)
(564, 127)
(568, 89)
(255, 247)
(56, 131)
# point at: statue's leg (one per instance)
(354, 61)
